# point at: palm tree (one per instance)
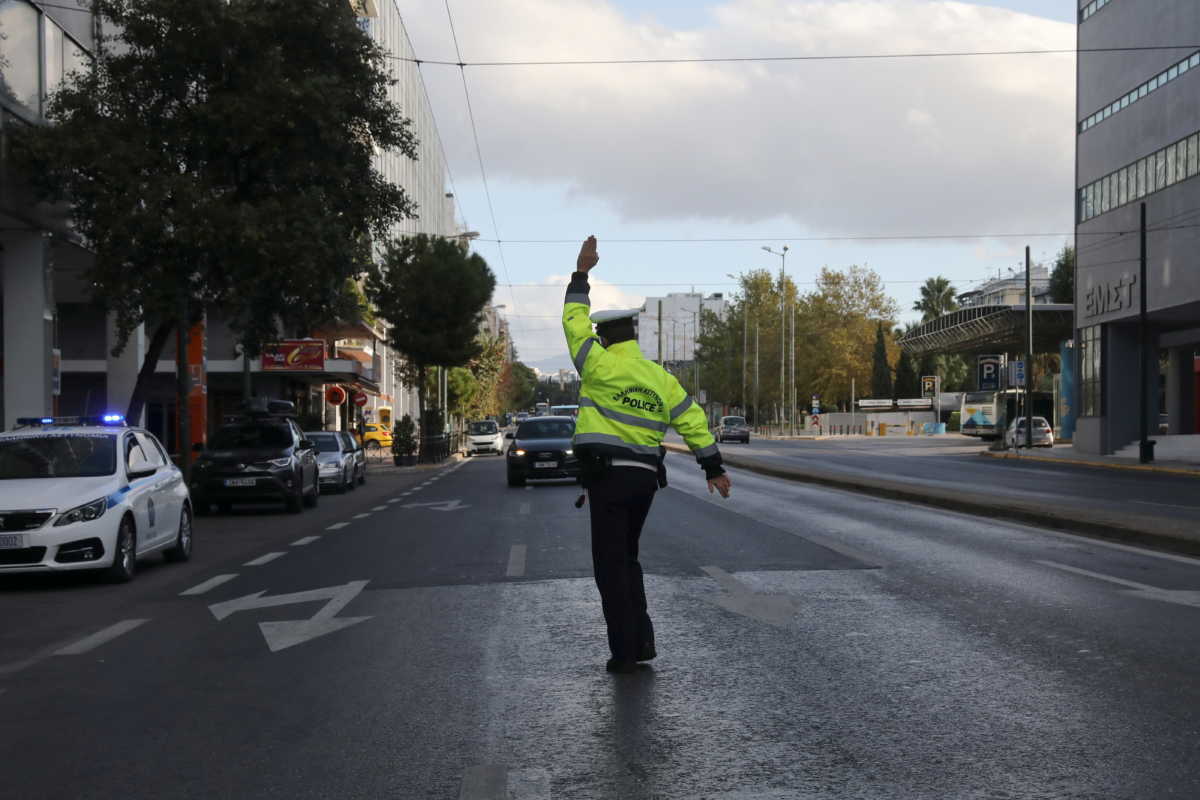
(937, 298)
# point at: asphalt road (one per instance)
(446, 642)
(940, 464)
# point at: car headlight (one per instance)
(569, 452)
(517, 452)
(83, 513)
(276, 462)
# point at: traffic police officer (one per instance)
(626, 405)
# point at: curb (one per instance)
(1075, 462)
(968, 504)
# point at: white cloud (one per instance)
(537, 329)
(895, 146)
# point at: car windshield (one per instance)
(483, 428)
(251, 436)
(734, 422)
(58, 456)
(325, 442)
(546, 429)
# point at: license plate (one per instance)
(12, 541)
(545, 464)
(239, 481)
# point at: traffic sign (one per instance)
(816, 404)
(989, 372)
(335, 395)
(929, 386)
(360, 399)
(816, 419)
(1016, 373)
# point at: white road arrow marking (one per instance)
(1183, 597)
(287, 633)
(440, 505)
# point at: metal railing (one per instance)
(439, 447)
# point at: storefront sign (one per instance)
(1110, 297)
(302, 355)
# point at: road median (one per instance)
(1179, 536)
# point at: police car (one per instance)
(88, 493)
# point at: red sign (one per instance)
(360, 399)
(335, 395)
(295, 355)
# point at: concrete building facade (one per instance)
(671, 335)
(1138, 141)
(57, 346)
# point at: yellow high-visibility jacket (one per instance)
(627, 403)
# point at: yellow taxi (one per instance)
(376, 435)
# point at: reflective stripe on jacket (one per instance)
(627, 403)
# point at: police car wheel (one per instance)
(124, 564)
(182, 550)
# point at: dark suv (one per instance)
(259, 458)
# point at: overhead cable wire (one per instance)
(479, 154)
(795, 58)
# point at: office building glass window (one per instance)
(1160, 170)
(52, 55)
(1123, 187)
(1090, 372)
(1193, 154)
(19, 69)
(1158, 81)
(1170, 165)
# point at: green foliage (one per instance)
(224, 152)
(881, 373)
(938, 297)
(1062, 277)
(908, 383)
(519, 387)
(404, 438)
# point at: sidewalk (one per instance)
(1181, 535)
(1065, 454)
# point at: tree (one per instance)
(937, 298)
(908, 383)
(881, 373)
(431, 292)
(520, 388)
(1062, 278)
(222, 154)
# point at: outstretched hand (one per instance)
(721, 483)
(588, 257)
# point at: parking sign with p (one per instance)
(989, 373)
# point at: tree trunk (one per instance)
(421, 399)
(137, 402)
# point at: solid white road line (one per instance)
(304, 541)
(516, 561)
(362, 515)
(379, 508)
(89, 643)
(337, 526)
(267, 559)
(211, 583)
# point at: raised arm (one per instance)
(582, 344)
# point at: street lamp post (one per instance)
(782, 328)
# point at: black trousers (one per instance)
(620, 501)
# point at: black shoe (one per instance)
(622, 667)
(647, 653)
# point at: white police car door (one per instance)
(142, 476)
(166, 501)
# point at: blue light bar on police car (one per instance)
(103, 419)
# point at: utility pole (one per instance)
(745, 354)
(756, 422)
(793, 380)
(660, 333)
(695, 345)
(1028, 352)
(1145, 446)
(782, 328)
(182, 412)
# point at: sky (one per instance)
(808, 154)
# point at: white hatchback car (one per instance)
(88, 493)
(484, 437)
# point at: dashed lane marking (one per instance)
(495, 782)
(304, 541)
(265, 559)
(211, 583)
(363, 515)
(525, 507)
(89, 643)
(394, 500)
(337, 526)
(516, 561)
(379, 508)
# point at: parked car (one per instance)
(733, 429)
(81, 494)
(360, 457)
(263, 457)
(484, 437)
(376, 436)
(336, 460)
(1043, 434)
(541, 448)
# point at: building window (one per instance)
(1090, 371)
(1124, 101)
(19, 68)
(1174, 163)
(1091, 9)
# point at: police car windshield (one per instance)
(58, 456)
(325, 442)
(546, 429)
(483, 428)
(251, 436)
